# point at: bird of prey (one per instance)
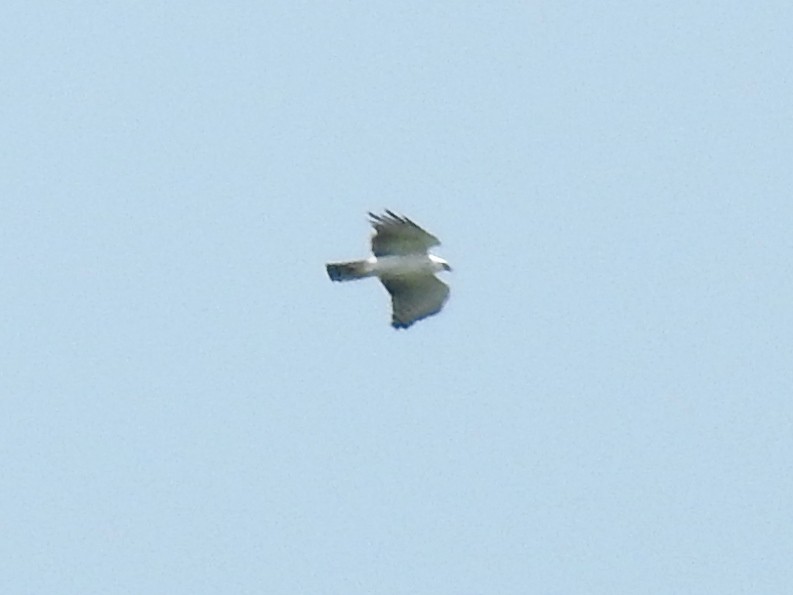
(404, 266)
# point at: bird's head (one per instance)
(440, 263)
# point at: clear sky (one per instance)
(189, 406)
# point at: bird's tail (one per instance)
(347, 271)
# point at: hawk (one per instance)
(404, 266)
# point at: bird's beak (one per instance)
(447, 267)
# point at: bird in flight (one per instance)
(402, 262)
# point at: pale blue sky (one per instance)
(188, 405)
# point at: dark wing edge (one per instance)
(415, 298)
(396, 234)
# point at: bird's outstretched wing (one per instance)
(414, 297)
(398, 236)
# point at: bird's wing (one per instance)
(395, 235)
(414, 297)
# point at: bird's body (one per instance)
(387, 266)
(405, 267)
